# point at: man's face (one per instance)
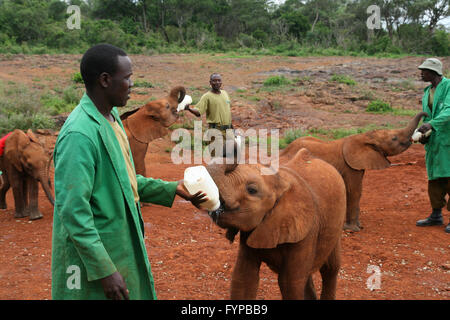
(121, 83)
(426, 75)
(216, 82)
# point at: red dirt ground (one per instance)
(190, 257)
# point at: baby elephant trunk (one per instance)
(409, 130)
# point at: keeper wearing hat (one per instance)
(436, 102)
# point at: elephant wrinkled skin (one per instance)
(150, 122)
(291, 220)
(352, 155)
(25, 163)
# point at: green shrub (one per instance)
(277, 81)
(342, 78)
(378, 106)
(440, 43)
(77, 78)
(289, 136)
(142, 84)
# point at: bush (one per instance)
(142, 84)
(289, 136)
(342, 78)
(440, 43)
(277, 81)
(378, 106)
(77, 78)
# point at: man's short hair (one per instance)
(214, 74)
(98, 59)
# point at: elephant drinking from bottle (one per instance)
(352, 155)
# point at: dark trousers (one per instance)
(437, 190)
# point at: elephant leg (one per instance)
(245, 279)
(329, 272)
(19, 198)
(296, 272)
(139, 150)
(25, 194)
(310, 290)
(3, 189)
(33, 193)
(354, 192)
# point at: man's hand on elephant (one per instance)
(425, 127)
(195, 199)
(114, 287)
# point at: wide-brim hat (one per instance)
(432, 64)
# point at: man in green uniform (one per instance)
(436, 102)
(98, 248)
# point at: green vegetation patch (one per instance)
(379, 106)
(277, 81)
(342, 78)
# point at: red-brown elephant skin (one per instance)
(352, 155)
(150, 122)
(291, 220)
(25, 163)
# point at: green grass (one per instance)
(142, 84)
(276, 81)
(21, 108)
(77, 78)
(379, 106)
(290, 135)
(342, 78)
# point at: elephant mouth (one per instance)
(219, 215)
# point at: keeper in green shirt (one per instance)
(215, 104)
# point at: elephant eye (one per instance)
(168, 106)
(252, 190)
(394, 138)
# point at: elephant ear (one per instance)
(32, 136)
(360, 154)
(290, 219)
(14, 146)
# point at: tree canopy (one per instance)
(407, 26)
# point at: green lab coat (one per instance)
(97, 226)
(438, 147)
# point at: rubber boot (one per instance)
(435, 219)
(447, 228)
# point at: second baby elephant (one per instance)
(150, 122)
(25, 163)
(291, 220)
(352, 155)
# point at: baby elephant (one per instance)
(292, 220)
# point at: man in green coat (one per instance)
(98, 248)
(436, 102)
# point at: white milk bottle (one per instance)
(198, 179)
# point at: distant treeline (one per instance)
(257, 26)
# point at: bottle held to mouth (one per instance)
(417, 135)
(198, 179)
